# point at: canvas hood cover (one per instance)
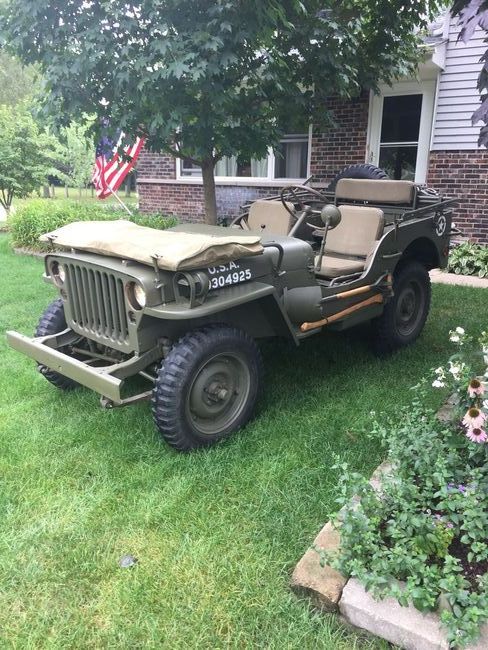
(175, 249)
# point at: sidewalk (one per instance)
(441, 277)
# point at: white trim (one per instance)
(309, 157)
(426, 88)
(229, 180)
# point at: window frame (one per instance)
(269, 179)
(426, 88)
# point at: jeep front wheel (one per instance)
(207, 387)
(53, 321)
(405, 314)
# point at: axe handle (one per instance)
(376, 299)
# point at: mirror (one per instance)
(330, 215)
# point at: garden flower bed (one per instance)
(420, 537)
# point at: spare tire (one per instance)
(361, 170)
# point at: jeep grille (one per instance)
(97, 302)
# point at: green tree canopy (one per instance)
(203, 79)
(24, 155)
(17, 83)
(74, 154)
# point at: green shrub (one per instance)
(426, 526)
(469, 259)
(40, 216)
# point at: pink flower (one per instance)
(475, 388)
(474, 418)
(477, 435)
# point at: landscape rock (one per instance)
(405, 627)
(322, 583)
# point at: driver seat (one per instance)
(270, 217)
(349, 244)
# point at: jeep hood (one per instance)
(183, 247)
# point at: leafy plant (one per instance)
(421, 537)
(24, 159)
(39, 216)
(469, 259)
(75, 155)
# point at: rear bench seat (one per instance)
(354, 239)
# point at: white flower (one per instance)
(456, 370)
(460, 330)
(437, 383)
(455, 338)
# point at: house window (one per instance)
(400, 129)
(288, 161)
(399, 140)
(291, 157)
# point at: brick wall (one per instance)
(186, 201)
(464, 175)
(344, 143)
(154, 165)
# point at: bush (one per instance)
(39, 216)
(469, 259)
(427, 524)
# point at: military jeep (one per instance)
(182, 308)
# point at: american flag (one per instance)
(110, 168)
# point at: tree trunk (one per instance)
(209, 192)
(45, 192)
(127, 187)
(66, 191)
(53, 193)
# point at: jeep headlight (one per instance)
(136, 295)
(58, 273)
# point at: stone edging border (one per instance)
(330, 591)
(28, 251)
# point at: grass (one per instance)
(218, 532)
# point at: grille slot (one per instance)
(97, 303)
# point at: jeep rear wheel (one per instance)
(207, 387)
(53, 321)
(405, 314)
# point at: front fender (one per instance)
(253, 306)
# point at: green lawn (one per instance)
(218, 532)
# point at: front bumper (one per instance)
(98, 379)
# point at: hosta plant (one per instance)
(469, 259)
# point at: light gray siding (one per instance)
(458, 96)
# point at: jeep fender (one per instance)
(252, 306)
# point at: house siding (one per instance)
(457, 95)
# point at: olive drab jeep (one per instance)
(183, 308)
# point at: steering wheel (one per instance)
(289, 191)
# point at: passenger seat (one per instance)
(349, 244)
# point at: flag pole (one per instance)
(120, 201)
